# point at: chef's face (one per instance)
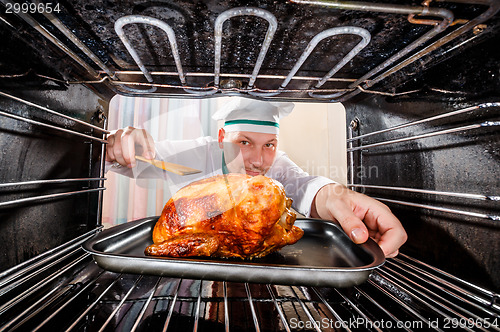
(257, 149)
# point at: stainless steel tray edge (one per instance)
(236, 271)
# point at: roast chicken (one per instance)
(233, 215)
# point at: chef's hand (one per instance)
(124, 144)
(360, 216)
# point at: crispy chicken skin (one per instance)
(233, 215)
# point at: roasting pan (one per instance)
(325, 256)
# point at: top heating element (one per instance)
(325, 51)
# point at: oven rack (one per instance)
(396, 62)
(58, 114)
(67, 291)
(100, 180)
(360, 148)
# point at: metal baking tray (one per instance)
(324, 256)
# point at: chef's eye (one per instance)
(244, 142)
(269, 145)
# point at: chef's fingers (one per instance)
(129, 138)
(361, 216)
(128, 146)
(393, 254)
(133, 139)
(117, 148)
(390, 234)
(110, 155)
(145, 140)
(391, 239)
(351, 224)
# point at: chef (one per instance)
(248, 143)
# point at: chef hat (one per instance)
(243, 114)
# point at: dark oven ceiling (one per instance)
(298, 50)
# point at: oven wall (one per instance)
(463, 162)
(31, 153)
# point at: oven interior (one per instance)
(420, 85)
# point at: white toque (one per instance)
(243, 114)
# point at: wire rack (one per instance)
(67, 291)
(356, 145)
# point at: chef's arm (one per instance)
(360, 216)
(124, 144)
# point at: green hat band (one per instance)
(254, 122)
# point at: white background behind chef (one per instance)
(252, 126)
(125, 198)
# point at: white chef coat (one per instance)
(205, 154)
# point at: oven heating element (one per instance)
(356, 85)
